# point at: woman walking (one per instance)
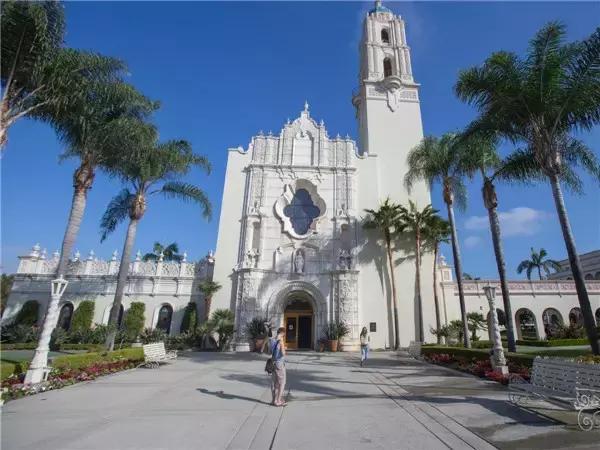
(364, 346)
(278, 376)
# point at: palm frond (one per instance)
(117, 211)
(189, 193)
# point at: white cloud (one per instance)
(472, 241)
(521, 221)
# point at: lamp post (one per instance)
(497, 358)
(38, 370)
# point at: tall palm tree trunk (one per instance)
(539, 273)
(491, 203)
(394, 300)
(418, 286)
(582, 295)
(436, 300)
(458, 272)
(207, 306)
(82, 182)
(121, 282)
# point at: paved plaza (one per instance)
(221, 401)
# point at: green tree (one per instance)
(40, 78)
(221, 322)
(417, 223)
(538, 261)
(28, 314)
(169, 253)
(476, 322)
(5, 287)
(153, 168)
(386, 220)
(134, 321)
(190, 318)
(438, 161)
(437, 232)
(83, 316)
(539, 101)
(208, 288)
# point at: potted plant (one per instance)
(335, 331)
(256, 330)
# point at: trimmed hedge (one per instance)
(134, 320)
(20, 346)
(83, 316)
(554, 342)
(28, 314)
(86, 359)
(478, 354)
(88, 347)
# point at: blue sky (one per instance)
(224, 71)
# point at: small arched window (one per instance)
(164, 318)
(385, 36)
(387, 67)
(65, 316)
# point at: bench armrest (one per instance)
(513, 378)
(586, 398)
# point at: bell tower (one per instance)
(387, 102)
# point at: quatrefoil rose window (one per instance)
(299, 209)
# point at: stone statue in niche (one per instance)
(299, 261)
(344, 260)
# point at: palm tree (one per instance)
(538, 261)
(386, 219)
(153, 168)
(169, 253)
(417, 223)
(40, 79)
(208, 289)
(539, 101)
(438, 160)
(480, 156)
(437, 232)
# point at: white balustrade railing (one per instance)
(475, 287)
(36, 263)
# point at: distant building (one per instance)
(590, 264)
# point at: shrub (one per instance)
(19, 333)
(134, 320)
(8, 368)
(334, 331)
(85, 359)
(256, 328)
(571, 332)
(83, 316)
(150, 336)
(28, 314)
(477, 354)
(221, 322)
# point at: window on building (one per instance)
(385, 36)
(65, 316)
(301, 211)
(387, 67)
(164, 318)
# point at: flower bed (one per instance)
(71, 369)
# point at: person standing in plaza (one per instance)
(364, 346)
(278, 377)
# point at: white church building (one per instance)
(291, 248)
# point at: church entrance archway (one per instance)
(298, 320)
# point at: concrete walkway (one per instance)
(221, 401)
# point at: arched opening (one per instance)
(164, 318)
(387, 67)
(597, 277)
(552, 321)
(575, 317)
(526, 324)
(385, 36)
(299, 321)
(589, 276)
(65, 316)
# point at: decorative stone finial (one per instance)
(270, 133)
(322, 123)
(443, 260)
(91, 255)
(260, 133)
(114, 256)
(77, 255)
(184, 259)
(288, 121)
(43, 256)
(161, 257)
(306, 106)
(56, 254)
(138, 256)
(35, 250)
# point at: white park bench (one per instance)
(564, 383)
(414, 349)
(154, 354)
